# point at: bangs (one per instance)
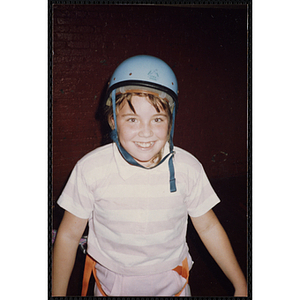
(158, 103)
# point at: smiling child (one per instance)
(136, 195)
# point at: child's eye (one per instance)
(132, 120)
(157, 120)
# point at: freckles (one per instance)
(164, 130)
(127, 131)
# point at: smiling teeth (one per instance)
(144, 145)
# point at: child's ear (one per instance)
(111, 122)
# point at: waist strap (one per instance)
(90, 266)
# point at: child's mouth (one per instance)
(144, 145)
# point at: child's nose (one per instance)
(145, 130)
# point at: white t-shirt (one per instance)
(136, 225)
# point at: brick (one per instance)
(78, 44)
(82, 29)
(62, 29)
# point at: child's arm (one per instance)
(65, 249)
(217, 243)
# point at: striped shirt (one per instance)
(136, 225)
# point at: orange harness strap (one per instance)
(90, 264)
(88, 268)
(184, 272)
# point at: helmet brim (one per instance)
(143, 87)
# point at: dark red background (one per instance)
(207, 49)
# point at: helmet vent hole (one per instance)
(130, 74)
(172, 83)
(115, 78)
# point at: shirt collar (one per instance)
(127, 170)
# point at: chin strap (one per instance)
(132, 161)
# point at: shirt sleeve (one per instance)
(201, 196)
(76, 197)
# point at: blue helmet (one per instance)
(147, 73)
(144, 73)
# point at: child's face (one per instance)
(142, 133)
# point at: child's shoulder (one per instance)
(183, 154)
(101, 156)
(184, 157)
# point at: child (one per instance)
(136, 195)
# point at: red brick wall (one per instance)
(207, 49)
